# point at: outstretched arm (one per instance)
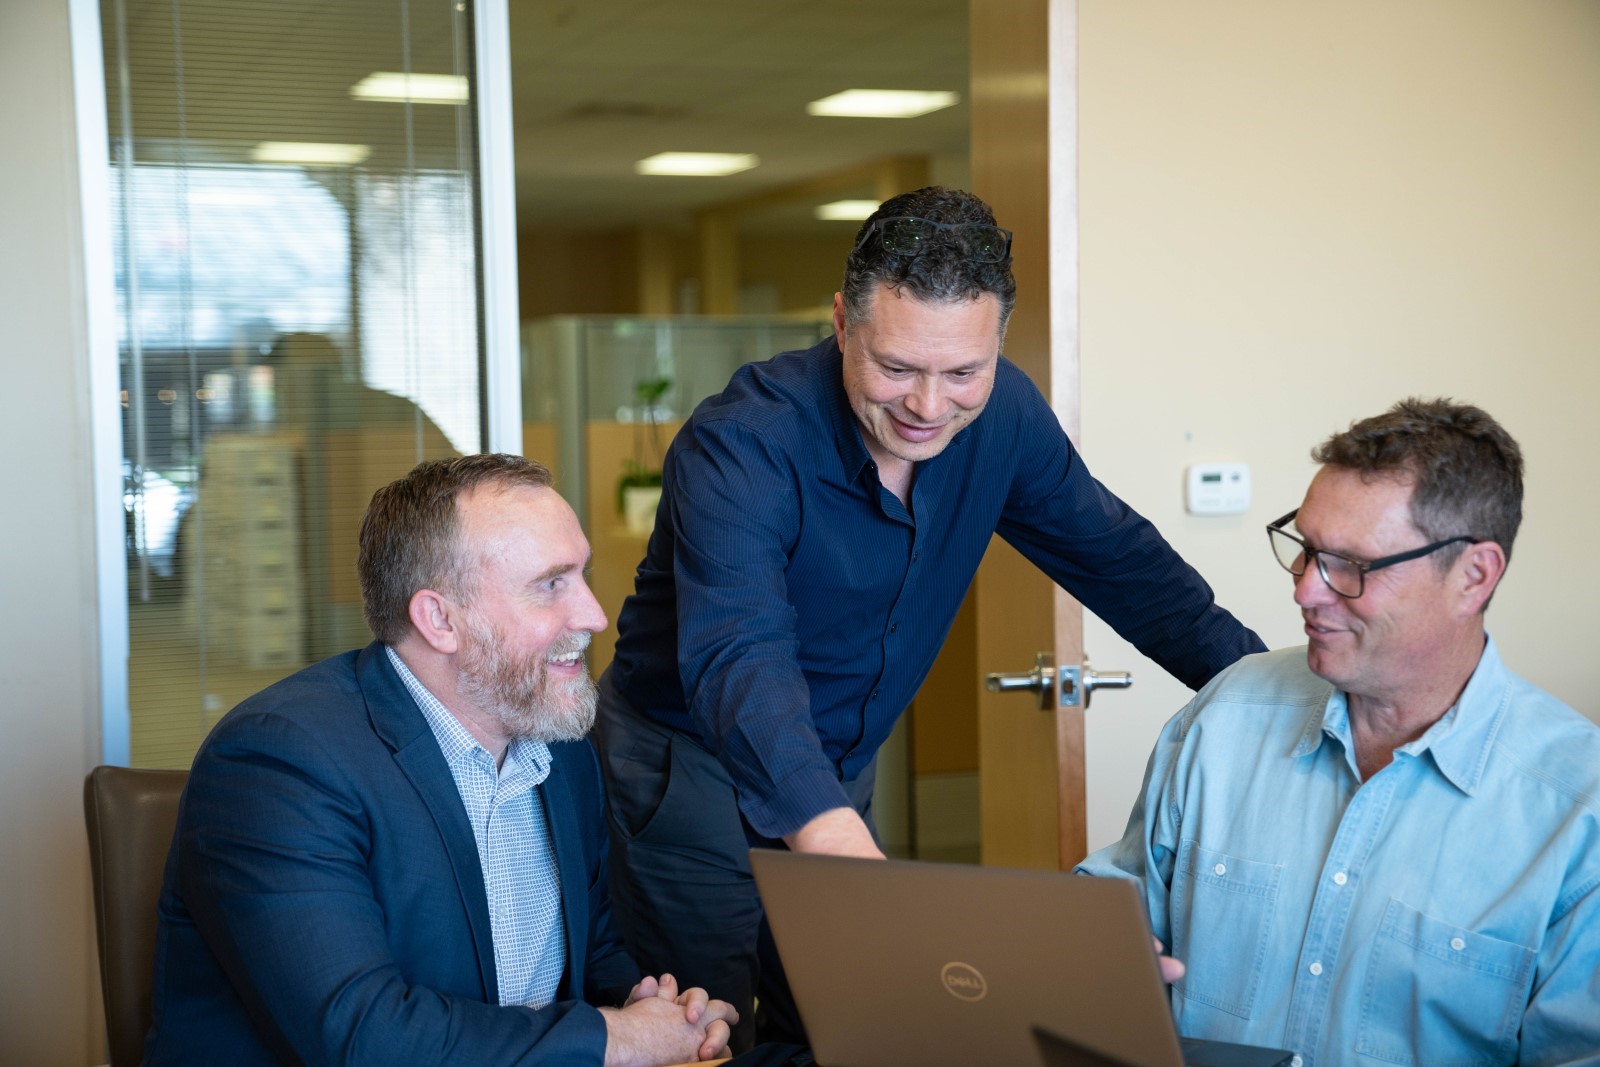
(1112, 559)
(837, 832)
(735, 506)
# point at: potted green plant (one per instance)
(639, 488)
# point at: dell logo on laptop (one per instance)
(963, 981)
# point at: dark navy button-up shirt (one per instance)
(789, 606)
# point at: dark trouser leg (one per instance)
(681, 886)
(680, 878)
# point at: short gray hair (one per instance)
(1465, 469)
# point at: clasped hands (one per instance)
(659, 1025)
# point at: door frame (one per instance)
(1024, 140)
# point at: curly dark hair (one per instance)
(942, 272)
(408, 536)
(1466, 470)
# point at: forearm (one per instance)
(751, 704)
(310, 978)
(1092, 544)
(1122, 569)
(1147, 849)
(837, 832)
(1156, 600)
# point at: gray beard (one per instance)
(523, 699)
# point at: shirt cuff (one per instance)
(787, 805)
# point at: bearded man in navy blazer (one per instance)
(398, 855)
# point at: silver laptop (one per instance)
(920, 964)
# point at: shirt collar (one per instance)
(853, 454)
(1327, 719)
(457, 743)
(1460, 742)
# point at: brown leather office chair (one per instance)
(131, 815)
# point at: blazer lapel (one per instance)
(397, 719)
(572, 864)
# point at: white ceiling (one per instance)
(600, 85)
(597, 86)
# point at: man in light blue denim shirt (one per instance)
(1383, 848)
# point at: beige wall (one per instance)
(1293, 215)
(49, 983)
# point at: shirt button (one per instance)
(1316, 968)
(915, 556)
(1220, 869)
(874, 694)
(1296, 1062)
(893, 626)
(1457, 943)
(1341, 878)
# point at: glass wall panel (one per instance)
(299, 300)
(602, 397)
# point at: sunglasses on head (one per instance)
(907, 235)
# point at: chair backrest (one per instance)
(131, 815)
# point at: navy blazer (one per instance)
(324, 902)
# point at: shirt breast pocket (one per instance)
(1440, 994)
(1221, 909)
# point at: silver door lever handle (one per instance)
(1077, 684)
(1091, 680)
(1041, 680)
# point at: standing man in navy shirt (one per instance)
(820, 522)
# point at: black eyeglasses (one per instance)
(907, 235)
(1344, 575)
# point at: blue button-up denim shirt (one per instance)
(1444, 912)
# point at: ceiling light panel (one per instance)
(312, 154)
(845, 210)
(882, 103)
(398, 88)
(696, 164)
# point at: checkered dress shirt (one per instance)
(508, 820)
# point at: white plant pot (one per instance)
(639, 503)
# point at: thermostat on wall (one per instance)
(1218, 489)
